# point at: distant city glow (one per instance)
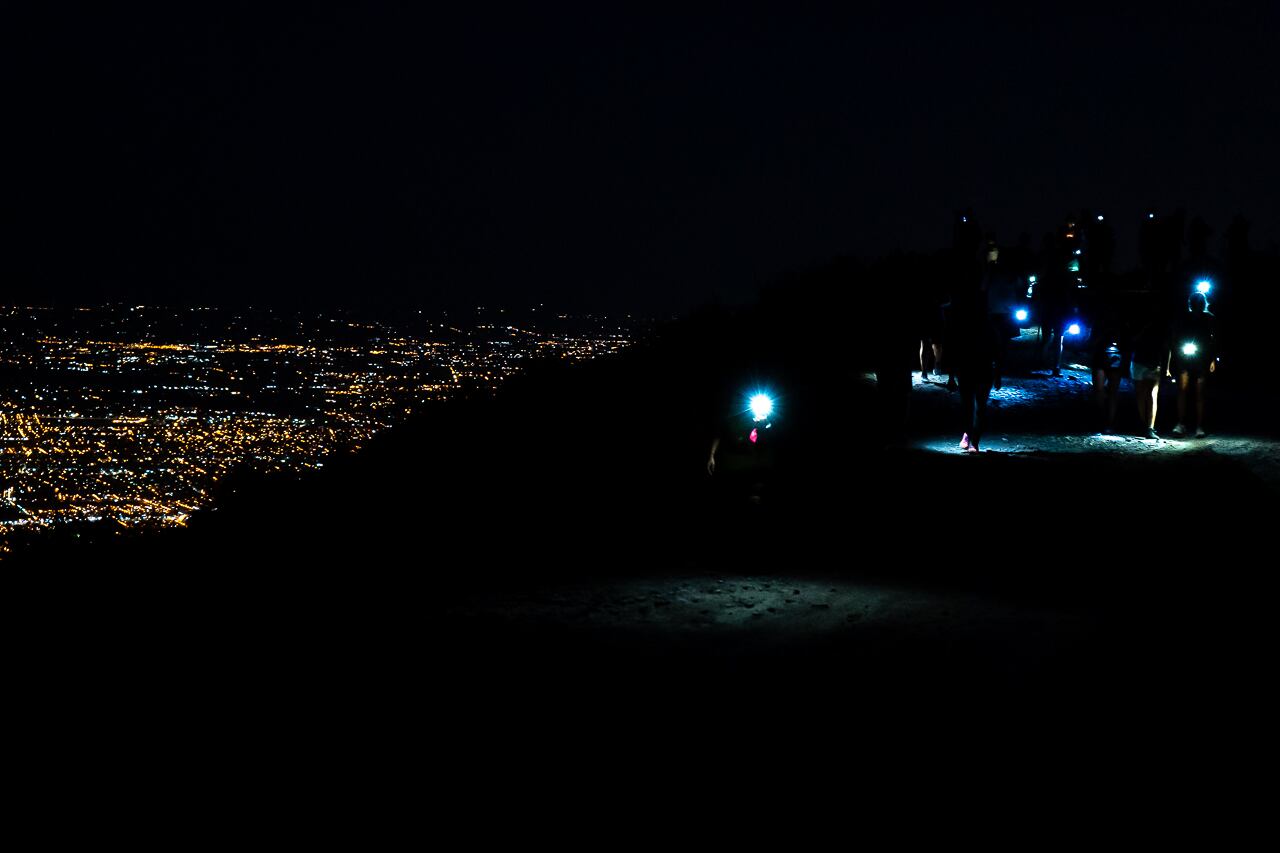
(154, 407)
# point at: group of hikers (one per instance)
(956, 314)
(1164, 330)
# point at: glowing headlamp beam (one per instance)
(761, 406)
(1204, 285)
(1073, 329)
(1189, 349)
(1020, 314)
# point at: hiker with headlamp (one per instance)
(1194, 358)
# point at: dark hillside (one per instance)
(432, 551)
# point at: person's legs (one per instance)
(1184, 383)
(966, 408)
(1148, 393)
(1005, 328)
(980, 396)
(1047, 339)
(1051, 333)
(1201, 385)
(1102, 398)
(1113, 396)
(1099, 389)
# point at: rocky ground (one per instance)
(1054, 564)
(1037, 413)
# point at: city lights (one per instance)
(131, 416)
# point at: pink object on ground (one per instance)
(755, 435)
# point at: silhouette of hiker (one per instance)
(1004, 295)
(1149, 364)
(743, 452)
(1053, 294)
(928, 298)
(973, 351)
(965, 275)
(1108, 347)
(1194, 358)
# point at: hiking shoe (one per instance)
(1151, 433)
(1179, 430)
(964, 441)
(973, 447)
(1200, 433)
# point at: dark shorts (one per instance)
(1196, 369)
(1053, 315)
(1101, 361)
(1144, 373)
(744, 462)
(1005, 326)
(932, 326)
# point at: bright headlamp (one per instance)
(761, 406)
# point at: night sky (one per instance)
(574, 154)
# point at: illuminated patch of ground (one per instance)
(763, 604)
(1041, 414)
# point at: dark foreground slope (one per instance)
(562, 548)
